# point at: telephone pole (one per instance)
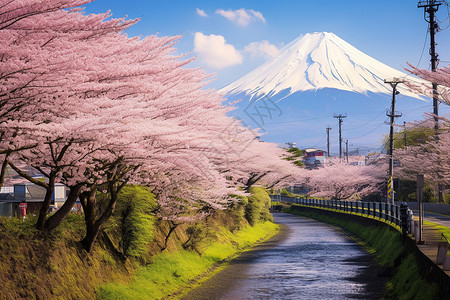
(405, 140)
(392, 114)
(346, 149)
(328, 140)
(340, 117)
(430, 7)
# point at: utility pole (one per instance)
(346, 149)
(392, 114)
(430, 7)
(404, 133)
(340, 117)
(328, 140)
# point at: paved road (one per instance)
(435, 218)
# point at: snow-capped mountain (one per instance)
(294, 96)
(315, 61)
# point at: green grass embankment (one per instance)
(138, 255)
(196, 250)
(386, 244)
(171, 272)
(442, 229)
(53, 266)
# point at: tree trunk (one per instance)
(47, 200)
(88, 201)
(61, 214)
(172, 227)
(92, 230)
(3, 170)
(254, 178)
(94, 226)
(441, 193)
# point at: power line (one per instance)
(358, 137)
(367, 121)
(446, 19)
(318, 143)
(297, 121)
(423, 48)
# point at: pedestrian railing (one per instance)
(442, 257)
(384, 211)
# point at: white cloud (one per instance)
(263, 48)
(241, 16)
(201, 13)
(215, 52)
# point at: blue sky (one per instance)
(230, 38)
(393, 32)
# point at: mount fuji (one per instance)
(292, 98)
(316, 61)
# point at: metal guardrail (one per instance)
(446, 240)
(385, 211)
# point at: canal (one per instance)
(307, 260)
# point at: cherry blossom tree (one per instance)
(14, 11)
(431, 157)
(38, 44)
(341, 180)
(441, 77)
(95, 110)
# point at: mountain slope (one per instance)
(316, 61)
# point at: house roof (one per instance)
(11, 176)
(313, 150)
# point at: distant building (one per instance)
(299, 189)
(358, 163)
(291, 145)
(18, 190)
(314, 157)
(375, 158)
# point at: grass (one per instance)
(442, 229)
(406, 284)
(172, 272)
(39, 266)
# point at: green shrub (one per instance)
(237, 210)
(131, 226)
(428, 195)
(196, 237)
(447, 198)
(172, 273)
(257, 208)
(408, 284)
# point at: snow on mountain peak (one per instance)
(315, 61)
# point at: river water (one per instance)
(308, 260)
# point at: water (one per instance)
(314, 261)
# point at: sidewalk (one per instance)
(432, 236)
